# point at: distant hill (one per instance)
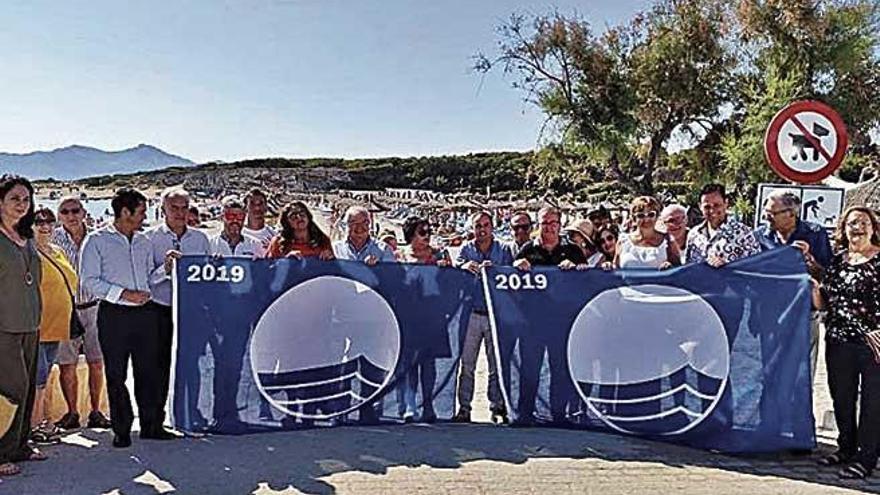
(74, 162)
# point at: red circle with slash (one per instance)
(807, 139)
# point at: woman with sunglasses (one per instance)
(56, 292)
(645, 247)
(300, 236)
(607, 236)
(20, 306)
(434, 341)
(850, 293)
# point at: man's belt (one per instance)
(87, 305)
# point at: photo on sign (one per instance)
(821, 205)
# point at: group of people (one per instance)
(116, 281)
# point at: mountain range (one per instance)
(74, 162)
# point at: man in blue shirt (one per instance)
(115, 266)
(359, 246)
(483, 251)
(782, 210)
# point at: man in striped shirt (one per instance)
(69, 237)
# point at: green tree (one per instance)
(618, 97)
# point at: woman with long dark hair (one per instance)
(300, 236)
(20, 306)
(850, 292)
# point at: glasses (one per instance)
(298, 214)
(424, 232)
(550, 222)
(608, 238)
(524, 226)
(854, 224)
(643, 215)
(71, 211)
(44, 221)
(232, 217)
(771, 213)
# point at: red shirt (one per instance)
(306, 249)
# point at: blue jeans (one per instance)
(46, 354)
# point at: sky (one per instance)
(228, 79)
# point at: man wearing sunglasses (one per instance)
(69, 237)
(521, 225)
(232, 241)
(169, 242)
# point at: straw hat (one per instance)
(583, 227)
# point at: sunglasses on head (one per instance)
(72, 211)
(646, 214)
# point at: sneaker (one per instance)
(98, 420)
(69, 421)
(45, 434)
(462, 416)
(499, 415)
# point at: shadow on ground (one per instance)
(240, 464)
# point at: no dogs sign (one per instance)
(806, 142)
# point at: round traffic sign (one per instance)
(805, 142)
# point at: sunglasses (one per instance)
(232, 217)
(44, 221)
(643, 215)
(525, 226)
(608, 238)
(71, 211)
(298, 213)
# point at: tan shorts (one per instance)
(69, 350)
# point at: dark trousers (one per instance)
(18, 373)
(166, 335)
(848, 364)
(130, 332)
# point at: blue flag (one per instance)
(281, 344)
(712, 358)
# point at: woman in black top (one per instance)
(851, 294)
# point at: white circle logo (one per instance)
(324, 348)
(649, 359)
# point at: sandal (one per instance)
(9, 469)
(855, 471)
(834, 459)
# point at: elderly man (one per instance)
(548, 249)
(257, 206)
(168, 242)
(359, 246)
(232, 241)
(782, 209)
(483, 251)
(718, 240)
(115, 265)
(674, 221)
(69, 237)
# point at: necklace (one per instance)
(25, 256)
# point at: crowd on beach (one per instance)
(106, 292)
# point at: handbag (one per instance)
(77, 329)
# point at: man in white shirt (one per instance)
(115, 266)
(170, 241)
(232, 241)
(257, 205)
